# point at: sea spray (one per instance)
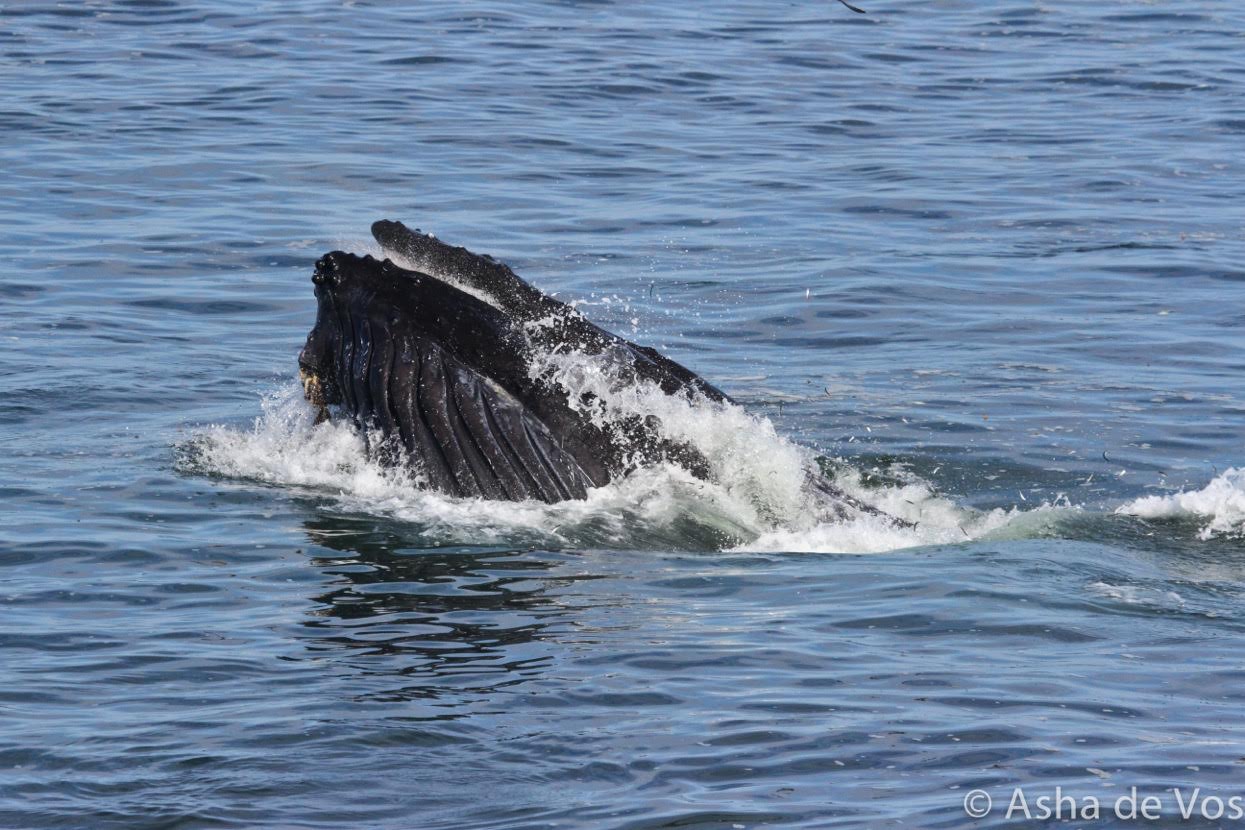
(1220, 506)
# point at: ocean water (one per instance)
(983, 261)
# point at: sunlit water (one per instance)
(982, 260)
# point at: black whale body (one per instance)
(443, 378)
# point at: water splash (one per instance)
(1221, 503)
(756, 502)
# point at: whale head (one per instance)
(438, 378)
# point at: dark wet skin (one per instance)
(439, 379)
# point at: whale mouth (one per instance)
(313, 391)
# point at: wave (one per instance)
(1220, 506)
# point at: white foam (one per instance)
(747, 458)
(284, 447)
(938, 521)
(1221, 502)
(757, 502)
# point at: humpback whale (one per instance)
(433, 361)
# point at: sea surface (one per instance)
(983, 260)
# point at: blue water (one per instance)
(986, 258)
